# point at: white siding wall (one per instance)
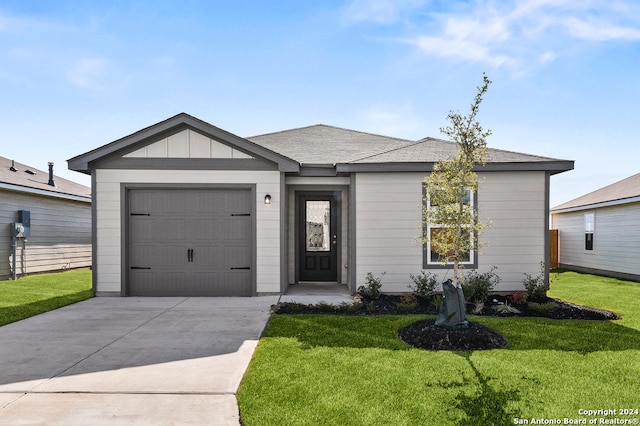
(60, 234)
(616, 239)
(388, 221)
(514, 203)
(388, 211)
(109, 212)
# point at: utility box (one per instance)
(17, 230)
(24, 217)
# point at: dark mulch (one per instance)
(392, 305)
(425, 335)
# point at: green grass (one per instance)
(332, 370)
(36, 294)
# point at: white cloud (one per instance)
(86, 71)
(506, 34)
(599, 31)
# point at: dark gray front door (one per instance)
(317, 238)
(195, 242)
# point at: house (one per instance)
(600, 231)
(185, 208)
(58, 212)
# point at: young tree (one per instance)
(450, 187)
(449, 191)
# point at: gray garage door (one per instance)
(190, 242)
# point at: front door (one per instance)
(317, 238)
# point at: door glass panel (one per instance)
(318, 216)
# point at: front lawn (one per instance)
(36, 294)
(341, 370)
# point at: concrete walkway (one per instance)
(130, 361)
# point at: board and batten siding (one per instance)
(60, 234)
(109, 220)
(388, 221)
(616, 247)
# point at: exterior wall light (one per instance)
(267, 199)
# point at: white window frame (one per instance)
(435, 264)
(590, 229)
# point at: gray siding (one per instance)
(388, 226)
(60, 234)
(616, 240)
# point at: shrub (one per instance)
(350, 307)
(517, 298)
(407, 302)
(324, 306)
(437, 301)
(476, 287)
(371, 288)
(506, 309)
(537, 286)
(423, 284)
(543, 309)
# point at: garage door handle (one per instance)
(241, 267)
(141, 267)
(189, 255)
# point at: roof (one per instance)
(332, 149)
(621, 192)
(354, 150)
(322, 144)
(20, 177)
(85, 162)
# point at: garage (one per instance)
(190, 242)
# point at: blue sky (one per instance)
(75, 75)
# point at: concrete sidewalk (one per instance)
(141, 361)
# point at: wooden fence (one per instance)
(554, 255)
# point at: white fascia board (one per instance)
(598, 205)
(36, 191)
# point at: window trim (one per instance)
(587, 232)
(427, 263)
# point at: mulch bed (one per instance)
(425, 335)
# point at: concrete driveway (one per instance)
(133, 361)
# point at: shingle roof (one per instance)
(330, 145)
(308, 149)
(322, 144)
(29, 178)
(624, 190)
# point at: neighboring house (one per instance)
(59, 212)
(185, 208)
(600, 232)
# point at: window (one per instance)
(431, 258)
(589, 228)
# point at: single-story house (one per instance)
(56, 213)
(600, 231)
(185, 208)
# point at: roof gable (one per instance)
(178, 135)
(621, 192)
(187, 143)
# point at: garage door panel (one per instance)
(190, 240)
(149, 283)
(237, 229)
(207, 229)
